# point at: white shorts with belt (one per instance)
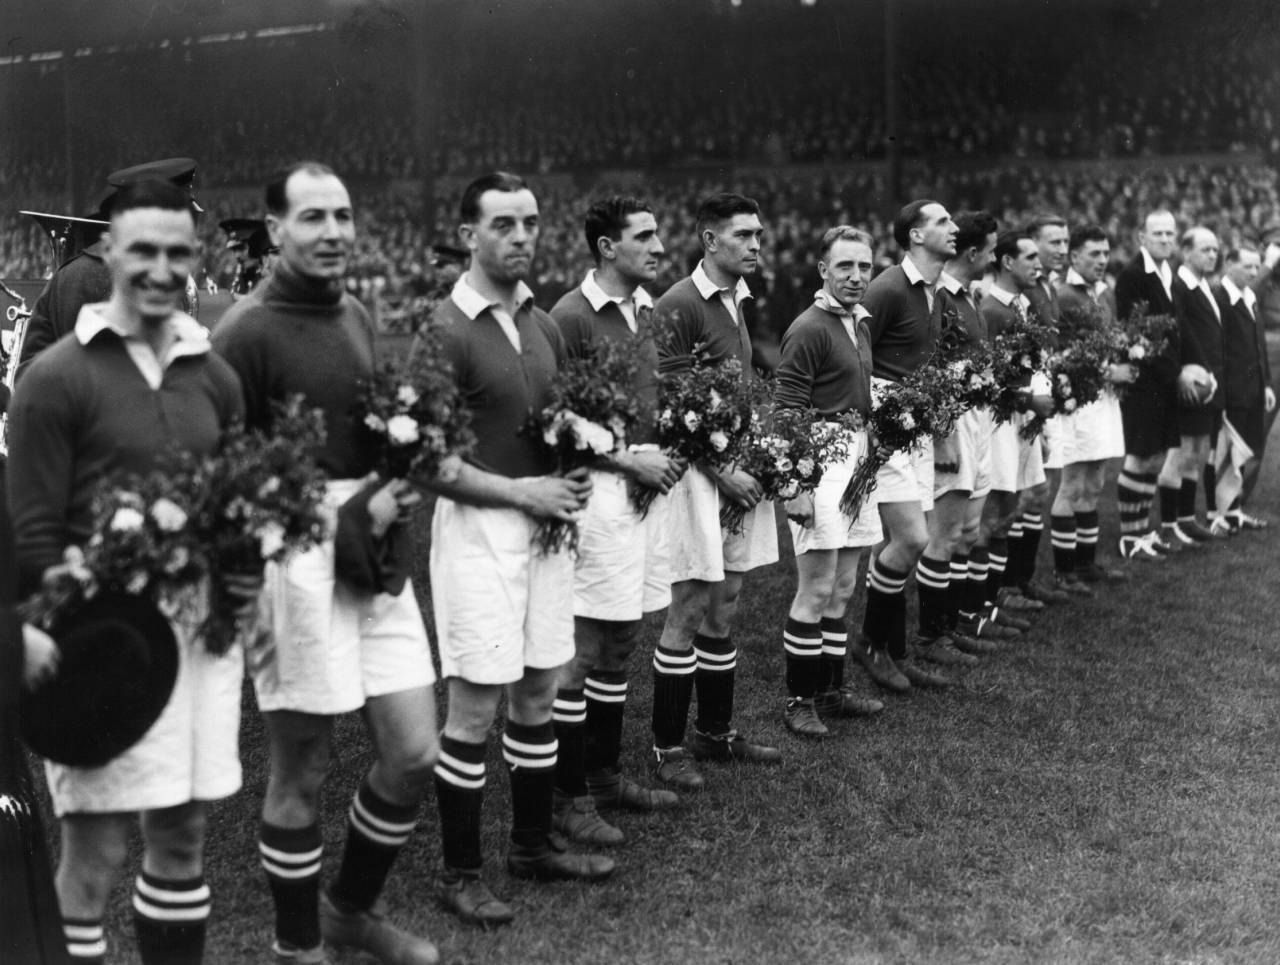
(326, 647)
(972, 438)
(907, 477)
(832, 529)
(500, 604)
(623, 567)
(191, 752)
(1005, 456)
(700, 548)
(1095, 432)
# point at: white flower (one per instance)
(805, 467)
(1137, 352)
(692, 421)
(127, 520)
(169, 516)
(1026, 362)
(782, 464)
(178, 559)
(272, 485)
(975, 381)
(790, 491)
(719, 441)
(591, 435)
(956, 369)
(406, 395)
(270, 539)
(402, 430)
(878, 394)
(908, 421)
(1069, 405)
(137, 582)
(716, 400)
(375, 423)
(667, 418)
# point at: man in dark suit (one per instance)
(1050, 234)
(1249, 396)
(1149, 406)
(1200, 394)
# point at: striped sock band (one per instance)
(376, 831)
(291, 857)
(672, 692)
(975, 594)
(86, 940)
(1029, 545)
(835, 648)
(997, 563)
(803, 645)
(1087, 538)
(569, 718)
(1063, 534)
(713, 679)
(885, 589)
(933, 577)
(459, 780)
(169, 918)
(1134, 492)
(530, 752)
(606, 695)
(957, 588)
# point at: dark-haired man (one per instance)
(1249, 396)
(1149, 409)
(906, 320)
(1091, 435)
(134, 378)
(503, 609)
(328, 649)
(1200, 390)
(703, 313)
(621, 570)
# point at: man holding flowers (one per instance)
(328, 647)
(621, 571)
(701, 317)
(135, 377)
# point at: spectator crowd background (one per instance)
(1102, 111)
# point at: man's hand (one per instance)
(392, 504)
(1269, 398)
(244, 589)
(651, 468)
(800, 509)
(40, 657)
(1188, 391)
(739, 486)
(556, 497)
(1122, 373)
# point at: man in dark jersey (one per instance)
(326, 648)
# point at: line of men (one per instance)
(550, 633)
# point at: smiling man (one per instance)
(134, 377)
(328, 648)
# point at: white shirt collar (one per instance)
(598, 297)
(999, 294)
(1150, 267)
(949, 282)
(707, 288)
(473, 303)
(1234, 294)
(1076, 280)
(911, 271)
(191, 338)
(1189, 279)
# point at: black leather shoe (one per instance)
(843, 703)
(879, 666)
(674, 768)
(614, 791)
(732, 747)
(920, 675)
(471, 900)
(553, 861)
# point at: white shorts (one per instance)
(972, 438)
(500, 604)
(700, 548)
(1030, 460)
(907, 477)
(1056, 430)
(326, 647)
(1006, 454)
(621, 572)
(191, 752)
(1095, 432)
(831, 528)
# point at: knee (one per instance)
(618, 645)
(914, 543)
(411, 769)
(175, 842)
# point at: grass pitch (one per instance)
(1105, 790)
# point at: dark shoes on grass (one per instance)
(551, 860)
(471, 900)
(614, 791)
(673, 767)
(579, 821)
(843, 703)
(370, 931)
(732, 746)
(801, 718)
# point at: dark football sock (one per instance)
(530, 753)
(569, 718)
(713, 680)
(291, 858)
(460, 780)
(672, 693)
(376, 831)
(169, 919)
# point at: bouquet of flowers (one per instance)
(259, 499)
(591, 413)
(1018, 353)
(902, 413)
(1141, 338)
(966, 368)
(704, 413)
(413, 414)
(786, 451)
(143, 544)
(1077, 370)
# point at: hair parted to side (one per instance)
(972, 229)
(150, 194)
(469, 207)
(1040, 222)
(719, 208)
(1081, 235)
(1188, 239)
(1234, 255)
(275, 196)
(911, 216)
(608, 219)
(842, 232)
(1007, 244)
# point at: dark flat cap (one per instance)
(241, 230)
(180, 170)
